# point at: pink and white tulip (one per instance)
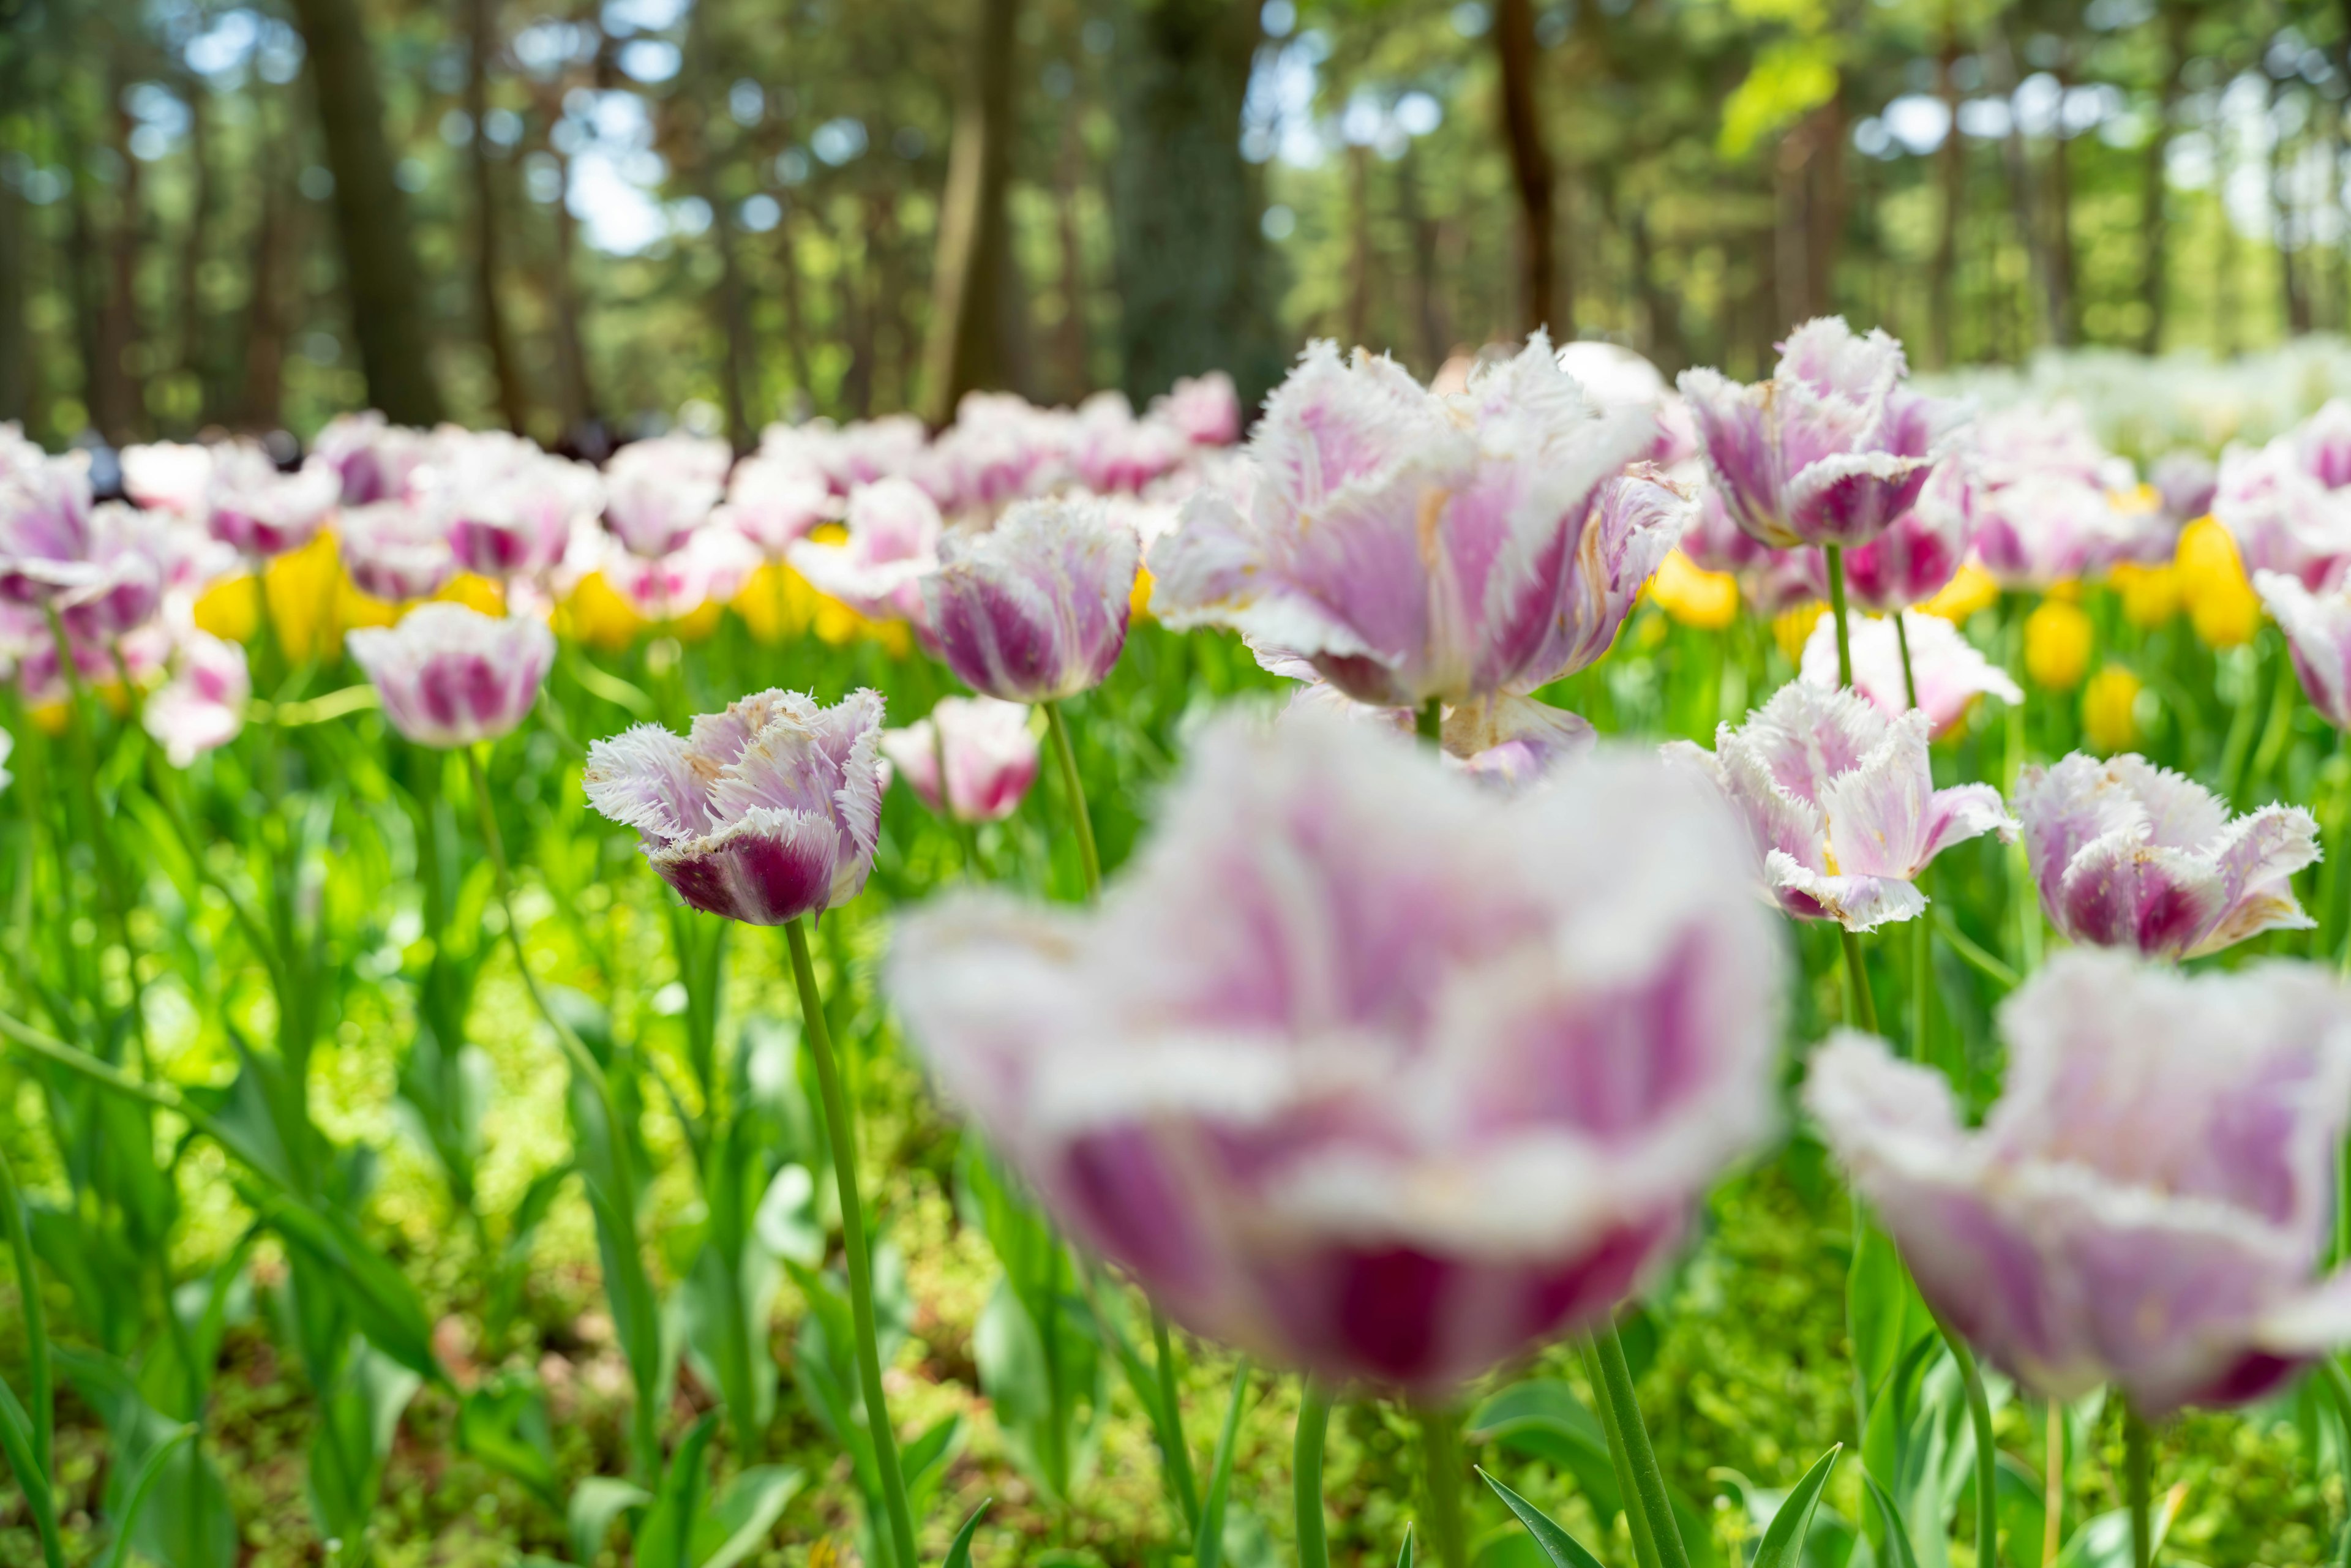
(2150, 1202)
(1831, 450)
(1950, 672)
(514, 520)
(774, 500)
(768, 812)
(1357, 1066)
(1916, 556)
(450, 675)
(990, 752)
(1035, 607)
(1412, 546)
(714, 564)
(169, 477)
(2130, 855)
(659, 493)
(395, 550)
(1205, 409)
(202, 707)
(260, 512)
(2288, 504)
(2317, 628)
(894, 543)
(1840, 803)
(372, 459)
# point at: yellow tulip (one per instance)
(229, 609)
(1693, 595)
(596, 614)
(475, 593)
(1972, 589)
(306, 594)
(2109, 710)
(1138, 602)
(776, 603)
(2220, 602)
(1792, 628)
(2057, 637)
(2150, 594)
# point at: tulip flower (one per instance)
(894, 543)
(2039, 531)
(2185, 484)
(1110, 451)
(517, 520)
(1414, 547)
(450, 676)
(374, 460)
(1205, 409)
(258, 511)
(1916, 556)
(2317, 628)
(202, 707)
(775, 500)
(1840, 803)
(169, 477)
(2131, 855)
(658, 493)
(102, 567)
(1829, 451)
(1948, 670)
(1770, 580)
(1360, 1068)
(45, 526)
(1035, 609)
(768, 812)
(712, 567)
(989, 753)
(395, 550)
(2288, 504)
(2148, 1203)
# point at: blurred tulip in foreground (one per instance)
(203, 705)
(767, 812)
(2317, 628)
(990, 757)
(1413, 546)
(2131, 855)
(2149, 1202)
(1840, 803)
(1035, 609)
(1832, 449)
(1950, 672)
(658, 493)
(450, 676)
(1357, 1066)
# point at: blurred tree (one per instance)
(977, 340)
(481, 47)
(1530, 168)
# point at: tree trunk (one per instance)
(1531, 171)
(1359, 247)
(193, 356)
(120, 415)
(583, 428)
(1070, 348)
(1951, 166)
(730, 314)
(2065, 299)
(514, 401)
(2286, 230)
(2021, 192)
(1427, 322)
(2154, 211)
(370, 215)
(16, 362)
(1791, 267)
(1195, 278)
(1825, 202)
(796, 325)
(968, 347)
(260, 403)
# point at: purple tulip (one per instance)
(395, 550)
(202, 707)
(1916, 556)
(1950, 672)
(450, 675)
(512, 512)
(2131, 855)
(260, 512)
(659, 493)
(2288, 504)
(2149, 1202)
(1512, 743)
(990, 752)
(374, 460)
(1840, 803)
(1831, 450)
(2317, 628)
(1000, 449)
(1770, 581)
(894, 543)
(768, 812)
(1034, 608)
(1205, 409)
(45, 526)
(714, 564)
(1410, 546)
(103, 568)
(1360, 1068)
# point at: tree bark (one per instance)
(1070, 347)
(2064, 301)
(1359, 247)
(796, 335)
(506, 371)
(1422, 229)
(192, 357)
(1531, 171)
(370, 215)
(730, 313)
(1196, 279)
(2021, 187)
(1951, 165)
(2155, 216)
(970, 347)
(120, 411)
(1824, 203)
(260, 401)
(16, 362)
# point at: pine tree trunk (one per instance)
(513, 400)
(1951, 165)
(1426, 320)
(970, 345)
(193, 356)
(1195, 278)
(1070, 347)
(1531, 173)
(2155, 217)
(370, 215)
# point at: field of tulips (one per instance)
(1544, 970)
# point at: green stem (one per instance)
(2339, 1388)
(1985, 963)
(1835, 556)
(839, 1122)
(1089, 860)
(2139, 1466)
(36, 1334)
(1922, 978)
(1175, 1451)
(1862, 1011)
(1637, 1522)
(1902, 641)
(1441, 1469)
(1429, 722)
(1640, 1458)
(1306, 1474)
(2278, 728)
(1987, 1450)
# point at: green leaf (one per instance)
(596, 1502)
(503, 1424)
(381, 1300)
(740, 1518)
(1897, 1552)
(1404, 1553)
(959, 1551)
(665, 1535)
(1208, 1544)
(1883, 1309)
(1543, 1419)
(1783, 1543)
(16, 1444)
(142, 1486)
(1564, 1550)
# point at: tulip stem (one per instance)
(1429, 722)
(1922, 979)
(1441, 1468)
(2052, 1488)
(1179, 1457)
(1861, 1008)
(1306, 1474)
(1987, 1450)
(2138, 1465)
(1835, 556)
(1648, 1489)
(1909, 677)
(1637, 1522)
(840, 1125)
(2339, 1387)
(1089, 860)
